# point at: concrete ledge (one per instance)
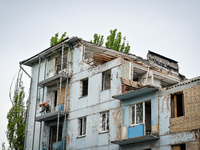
(135, 140)
(50, 116)
(137, 92)
(53, 80)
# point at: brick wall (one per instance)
(191, 119)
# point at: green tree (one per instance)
(17, 117)
(3, 146)
(54, 39)
(114, 41)
(98, 39)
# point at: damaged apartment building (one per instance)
(100, 99)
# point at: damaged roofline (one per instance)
(71, 40)
(150, 52)
(34, 58)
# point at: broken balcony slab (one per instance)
(53, 80)
(50, 116)
(137, 92)
(136, 140)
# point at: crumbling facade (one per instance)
(104, 99)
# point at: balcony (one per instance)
(53, 80)
(135, 140)
(132, 89)
(51, 116)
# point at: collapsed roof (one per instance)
(95, 54)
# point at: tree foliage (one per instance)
(54, 39)
(3, 146)
(98, 39)
(17, 117)
(114, 41)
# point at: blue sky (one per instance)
(169, 27)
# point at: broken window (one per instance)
(84, 87)
(137, 113)
(104, 121)
(58, 62)
(177, 105)
(82, 126)
(179, 147)
(52, 135)
(106, 80)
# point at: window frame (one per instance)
(103, 88)
(79, 127)
(82, 86)
(107, 122)
(130, 117)
(174, 104)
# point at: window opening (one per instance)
(106, 80)
(82, 126)
(177, 105)
(55, 98)
(137, 113)
(136, 79)
(58, 62)
(52, 136)
(148, 117)
(179, 147)
(84, 88)
(104, 121)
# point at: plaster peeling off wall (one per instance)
(191, 119)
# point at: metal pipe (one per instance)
(59, 98)
(24, 71)
(36, 103)
(27, 114)
(41, 123)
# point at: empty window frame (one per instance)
(106, 80)
(179, 147)
(81, 126)
(137, 113)
(52, 135)
(55, 98)
(84, 87)
(104, 121)
(58, 62)
(177, 105)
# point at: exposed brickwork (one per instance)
(191, 119)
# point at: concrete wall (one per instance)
(91, 105)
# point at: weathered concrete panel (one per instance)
(92, 130)
(104, 96)
(115, 81)
(94, 89)
(165, 114)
